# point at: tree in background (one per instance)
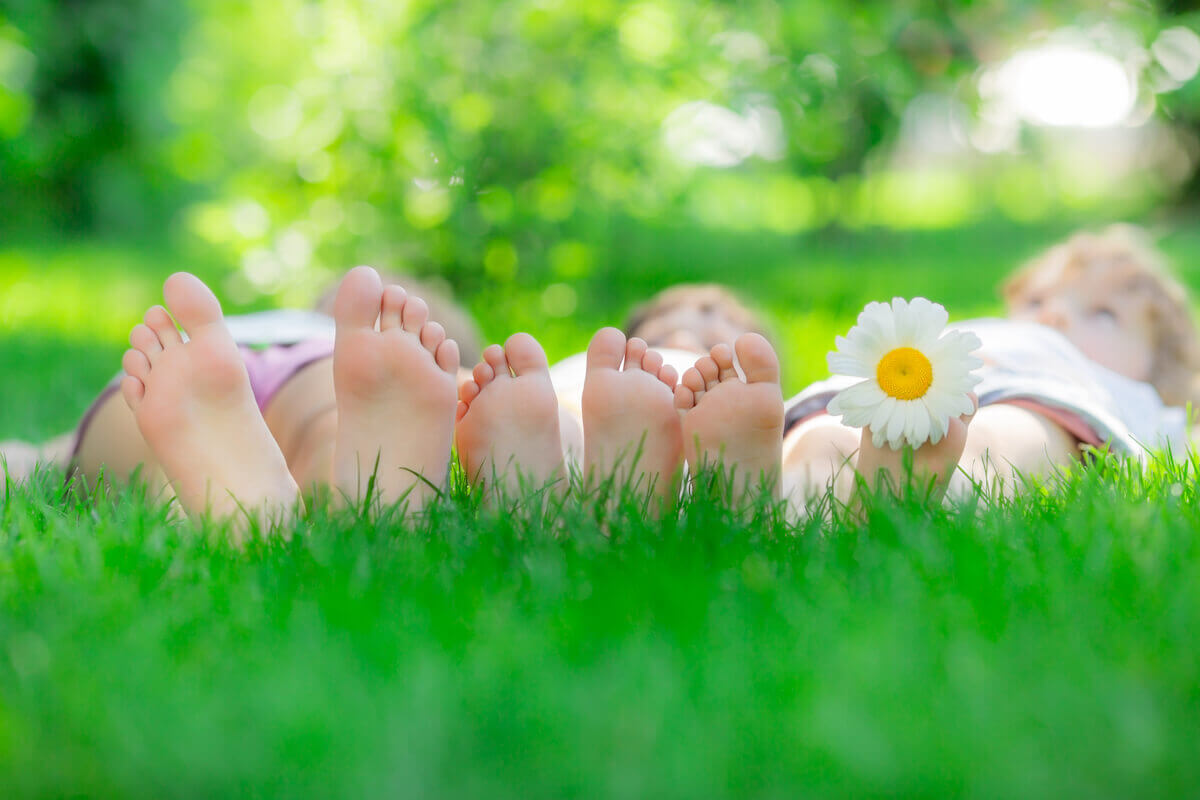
(493, 140)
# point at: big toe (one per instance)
(524, 354)
(757, 358)
(191, 302)
(606, 350)
(359, 298)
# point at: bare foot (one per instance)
(194, 407)
(631, 429)
(507, 429)
(933, 465)
(734, 423)
(395, 391)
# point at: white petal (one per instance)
(878, 438)
(944, 405)
(857, 417)
(905, 321)
(939, 419)
(865, 394)
(895, 426)
(861, 344)
(844, 364)
(883, 413)
(877, 319)
(919, 429)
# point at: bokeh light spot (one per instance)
(1066, 85)
(500, 260)
(1177, 50)
(274, 112)
(647, 32)
(426, 209)
(559, 300)
(471, 112)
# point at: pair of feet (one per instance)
(395, 384)
(394, 375)
(640, 422)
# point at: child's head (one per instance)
(1111, 296)
(692, 316)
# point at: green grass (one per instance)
(1044, 648)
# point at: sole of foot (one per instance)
(394, 379)
(631, 430)
(933, 465)
(734, 423)
(194, 407)
(508, 427)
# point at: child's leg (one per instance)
(734, 423)
(819, 454)
(112, 448)
(508, 419)
(19, 458)
(1006, 443)
(193, 404)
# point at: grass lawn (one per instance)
(1043, 647)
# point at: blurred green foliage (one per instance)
(82, 124)
(495, 141)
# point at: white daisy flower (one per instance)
(917, 375)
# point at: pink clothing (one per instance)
(271, 367)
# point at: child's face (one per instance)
(1097, 312)
(690, 326)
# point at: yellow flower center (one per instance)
(904, 373)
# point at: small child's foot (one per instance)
(395, 391)
(194, 407)
(933, 465)
(508, 430)
(631, 429)
(734, 423)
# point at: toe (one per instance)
(483, 373)
(693, 380)
(359, 298)
(709, 371)
(391, 311)
(652, 361)
(668, 375)
(685, 398)
(191, 302)
(757, 358)
(135, 364)
(133, 390)
(447, 356)
(634, 351)
(432, 336)
(460, 411)
(143, 338)
(722, 356)
(493, 356)
(416, 314)
(525, 355)
(468, 392)
(163, 326)
(606, 349)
